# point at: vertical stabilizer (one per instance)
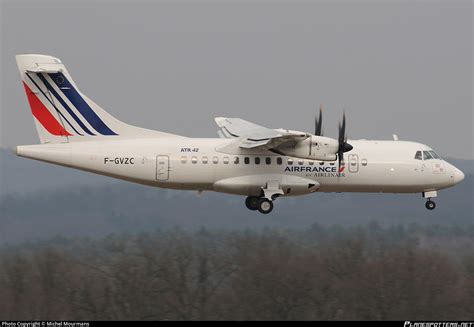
(62, 113)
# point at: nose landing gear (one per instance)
(430, 205)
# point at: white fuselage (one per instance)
(211, 164)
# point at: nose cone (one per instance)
(458, 176)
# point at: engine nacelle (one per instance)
(314, 148)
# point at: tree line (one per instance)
(321, 273)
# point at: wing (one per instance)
(254, 135)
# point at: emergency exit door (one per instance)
(162, 168)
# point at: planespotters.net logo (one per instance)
(438, 324)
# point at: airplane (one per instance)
(247, 159)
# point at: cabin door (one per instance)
(162, 168)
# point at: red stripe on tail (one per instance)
(43, 115)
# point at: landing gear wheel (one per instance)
(251, 202)
(430, 205)
(265, 206)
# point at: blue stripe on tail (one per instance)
(81, 105)
(57, 96)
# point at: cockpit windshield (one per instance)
(426, 155)
(435, 155)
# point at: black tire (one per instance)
(265, 206)
(430, 205)
(251, 202)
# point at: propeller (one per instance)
(318, 122)
(343, 145)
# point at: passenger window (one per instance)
(194, 160)
(215, 160)
(311, 162)
(279, 161)
(321, 163)
(236, 160)
(257, 160)
(246, 160)
(225, 160)
(364, 162)
(300, 162)
(332, 163)
(268, 160)
(418, 155)
(204, 160)
(290, 161)
(184, 159)
(427, 155)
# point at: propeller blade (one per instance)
(340, 158)
(343, 128)
(343, 145)
(318, 122)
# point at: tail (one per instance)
(62, 113)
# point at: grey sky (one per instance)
(400, 67)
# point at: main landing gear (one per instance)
(430, 205)
(264, 202)
(263, 205)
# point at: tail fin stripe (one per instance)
(75, 98)
(57, 110)
(63, 103)
(43, 115)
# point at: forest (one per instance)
(365, 272)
